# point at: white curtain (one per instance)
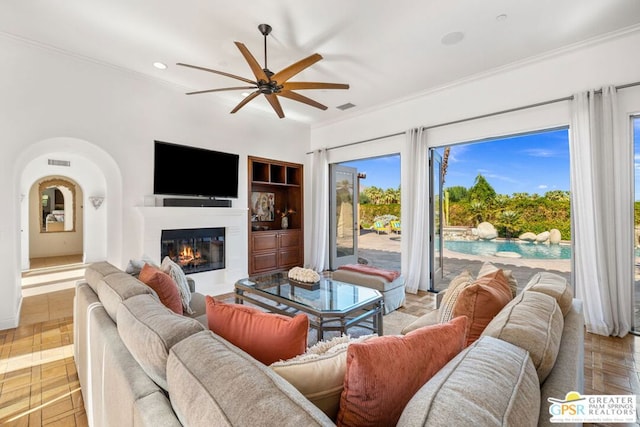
(415, 211)
(318, 259)
(601, 191)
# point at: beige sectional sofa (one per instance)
(140, 364)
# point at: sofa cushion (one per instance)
(384, 372)
(212, 382)
(490, 383)
(97, 271)
(488, 268)
(553, 285)
(319, 372)
(117, 287)
(163, 285)
(481, 301)
(268, 337)
(149, 330)
(428, 319)
(450, 297)
(178, 276)
(532, 321)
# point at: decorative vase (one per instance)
(285, 223)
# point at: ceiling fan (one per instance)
(271, 84)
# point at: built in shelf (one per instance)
(275, 174)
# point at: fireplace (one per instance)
(195, 250)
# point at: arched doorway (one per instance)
(56, 222)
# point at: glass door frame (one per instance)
(335, 260)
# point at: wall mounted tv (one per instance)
(180, 170)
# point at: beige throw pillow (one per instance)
(488, 268)
(532, 321)
(319, 373)
(456, 285)
(176, 273)
(553, 285)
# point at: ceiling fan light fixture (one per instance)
(271, 85)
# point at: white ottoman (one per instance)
(392, 292)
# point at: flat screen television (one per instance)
(180, 170)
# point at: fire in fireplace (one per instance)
(195, 250)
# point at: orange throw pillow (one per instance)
(383, 373)
(481, 301)
(164, 285)
(268, 337)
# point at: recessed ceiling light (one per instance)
(501, 17)
(160, 65)
(452, 38)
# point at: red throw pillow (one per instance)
(481, 301)
(164, 285)
(268, 337)
(383, 373)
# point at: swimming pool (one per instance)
(527, 250)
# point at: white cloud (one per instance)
(543, 186)
(541, 152)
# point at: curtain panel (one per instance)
(601, 188)
(318, 253)
(415, 262)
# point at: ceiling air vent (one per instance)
(53, 162)
(345, 106)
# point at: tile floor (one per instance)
(39, 385)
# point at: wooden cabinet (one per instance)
(275, 190)
(275, 250)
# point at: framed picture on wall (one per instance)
(262, 206)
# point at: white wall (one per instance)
(110, 117)
(558, 75)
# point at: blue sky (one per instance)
(534, 163)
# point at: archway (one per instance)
(56, 222)
(96, 174)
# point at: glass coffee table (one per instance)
(330, 304)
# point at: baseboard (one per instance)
(12, 322)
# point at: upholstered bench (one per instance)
(391, 288)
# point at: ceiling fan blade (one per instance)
(245, 101)
(295, 68)
(220, 90)
(273, 100)
(313, 85)
(255, 67)
(301, 98)
(222, 73)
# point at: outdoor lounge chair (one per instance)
(395, 227)
(379, 226)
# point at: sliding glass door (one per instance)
(343, 216)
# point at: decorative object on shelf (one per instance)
(305, 275)
(271, 85)
(262, 206)
(96, 201)
(284, 214)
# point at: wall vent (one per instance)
(345, 106)
(53, 162)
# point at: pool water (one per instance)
(527, 250)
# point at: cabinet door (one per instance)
(289, 239)
(264, 262)
(288, 257)
(264, 241)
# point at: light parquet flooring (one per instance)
(39, 385)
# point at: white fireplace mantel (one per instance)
(234, 220)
